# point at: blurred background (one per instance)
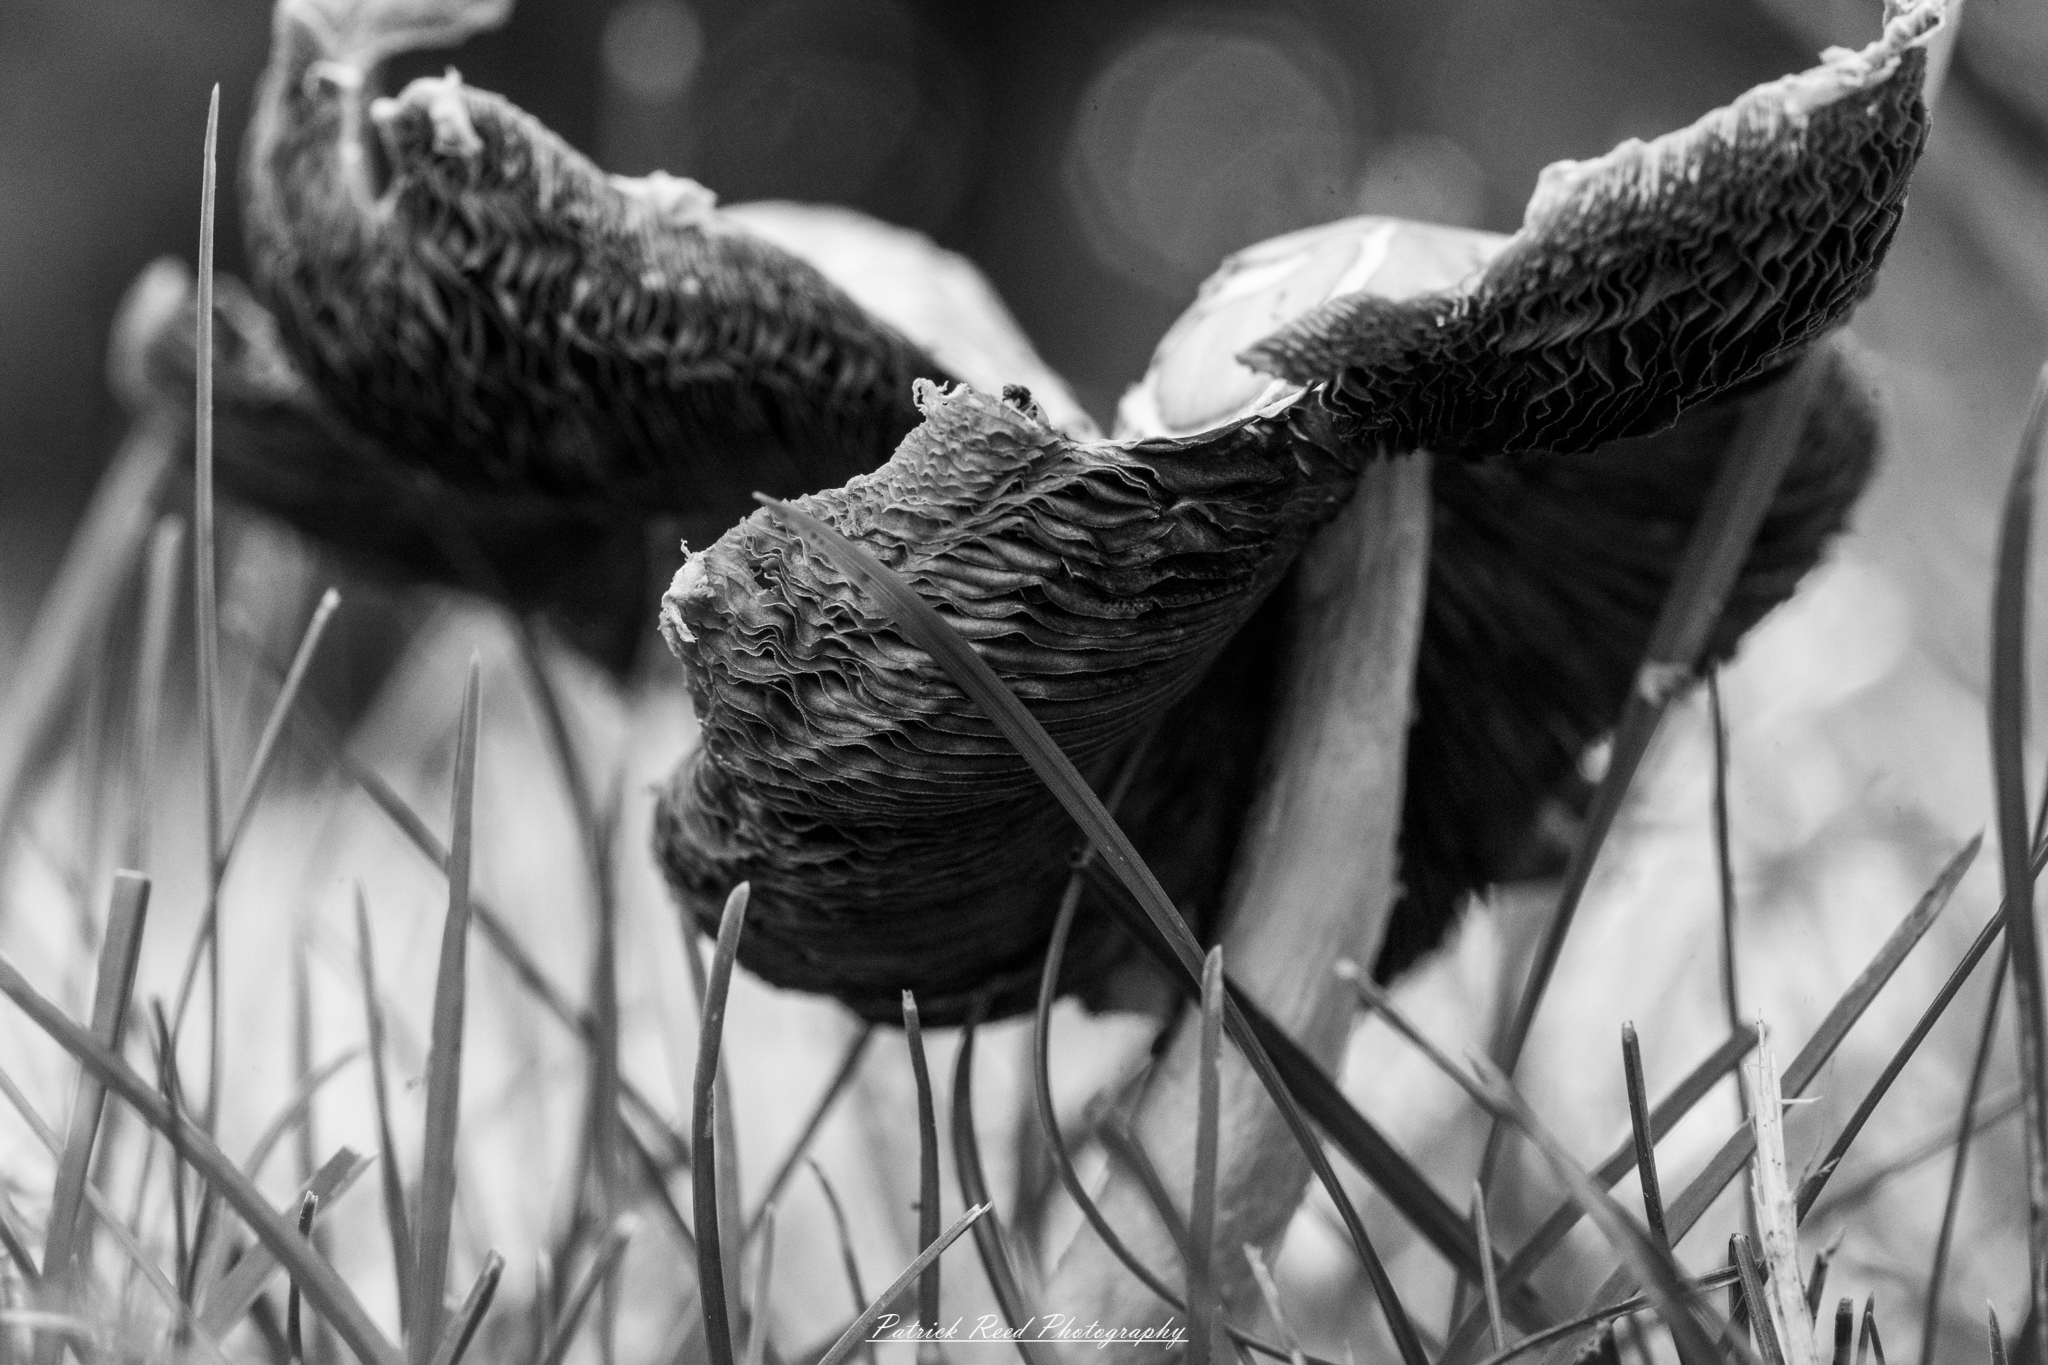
(1096, 160)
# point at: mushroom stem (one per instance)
(1314, 882)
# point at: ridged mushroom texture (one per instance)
(478, 299)
(1577, 384)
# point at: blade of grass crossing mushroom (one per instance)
(927, 1166)
(236, 1292)
(1269, 1290)
(435, 1224)
(1777, 1220)
(704, 1168)
(1930, 1324)
(1645, 1137)
(988, 1231)
(152, 662)
(842, 1076)
(2008, 704)
(1695, 1327)
(856, 1331)
(120, 951)
(924, 627)
(845, 1236)
(461, 1330)
(396, 1222)
(1202, 1298)
(1121, 1146)
(1761, 450)
(1489, 1282)
(603, 1265)
(323, 1288)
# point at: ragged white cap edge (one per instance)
(361, 33)
(688, 579)
(673, 198)
(1637, 167)
(454, 134)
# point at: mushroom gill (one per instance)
(1125, 589)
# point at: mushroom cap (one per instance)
(895, 840)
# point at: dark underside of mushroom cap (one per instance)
(1639, 292)
(893, 837)
(510, 318)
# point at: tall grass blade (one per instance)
(1777, 1220)
(842, 1076)
(1645, 1138)
(1997, 1336)
(236, 1292)
(120, 951)
(14, 1240)
(396, 1223)
(461, 1330)
(856, 1332)
(444, 1055)
(1121, 1146)
(757, 1301)
(1951, 1209)
(2008, 714)
(1603, 1318)
(1269, 1290)
(169, 1088)
(924, 627)
(1817, 1278)
(1845, 1331)
(610, 1252)
(1202, 1296)
(1760, 451)
(274, 723)
(927, 1166)
(1868, 1342)
(988, 1231)
(206, 601)
(295, 1343)
(324, 1289)
(152, 664)
(1754, 1292)
(711, 1277)
(1489, 1281)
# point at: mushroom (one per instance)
(479, 300)
(894, 839)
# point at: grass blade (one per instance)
(1202, 1297)
(235, 1293)
(120, 951)
(924, 627)
(462, 1327)
(324, 1289)
(1868, 1342)
(273, 725)
(845, 1235)
(1930, 1326)
(1489, 1281)
(290, 1118)
(1997, 1336)
(1270, 1292)
(1604, 1318)
(1758, 1297)
(1845, 1331)
(206, 601)
(927, 1167)
(711, 1282)
(2008, 726)
(757, 1301)
(912, 1274)
(988, 1231)
(1762, 448)
(152, 663)
(396, 1223)
(610, 1252)
(444, 1055)
(849, 1063)
(1641, 1131)
(1776, 1219)
(295, 1343)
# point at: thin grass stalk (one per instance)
(989, 1240)
(922, 624)
(2008, 727)
(1951, 1209)
(14, 1240)
(757, 1301)
(844, 1233)
(1777, 1217)
(1868, 1342)
(1762, 448)
(898, 1288)
(610, 1252)
(1997, 1336)
(152, 663)
(1645, 1138)
(927, 1170)
(397, 1225)
(1489, 1281)
(656, 1179)
(323, 1288)
(2001, 1105)
(1121, 1146)
(1757, 1296)
(842, 1076)
(1724, 868)
(120, 951)
(704, 1172)
(1845, 1332)
(462, 1327)
(274, 723)
(444, 1056)
(1202, 1298)
(294, 1338)
(236, 1292)
(1604, 1317)
(169, 1090)
(606, 1154)
(1817, 1278)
